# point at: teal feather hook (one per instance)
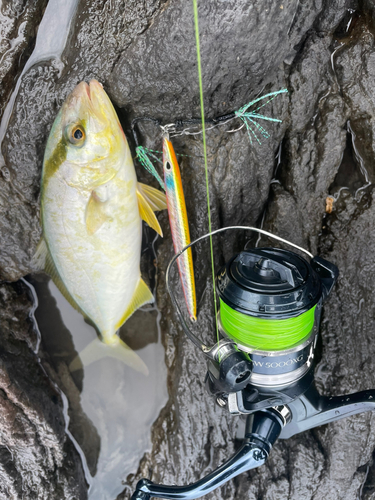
(250, 118)
(143, 157)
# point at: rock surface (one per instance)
(37, 459)
(144, 54)
(19, 21)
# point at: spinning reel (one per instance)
(263, 364)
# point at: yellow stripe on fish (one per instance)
(178, 221)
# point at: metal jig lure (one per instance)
(178, 222)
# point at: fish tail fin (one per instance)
(118, 350)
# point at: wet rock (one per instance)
(316, 463)
(345, 238)
(19, 21)
(348, 350)
(238, 56)
(37, 459)
(58, 343)
(144, 53)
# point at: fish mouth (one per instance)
(82, 90)
(88, 90)
(89, 101)
(95, 87)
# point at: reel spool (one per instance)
(270, 305)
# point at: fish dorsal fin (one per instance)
(95, 214)
(155, 198)
(38, 261)
(147, 214)
(142, 295)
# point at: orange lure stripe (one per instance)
(179, 225)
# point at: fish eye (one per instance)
(78, 134)
(75, 134)
(168, 166)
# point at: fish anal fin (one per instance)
(141, 296)
(147, 214)
(96, 350)
(155, 198)
(38, 261)
(95, 215)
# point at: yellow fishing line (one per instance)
(205, 154)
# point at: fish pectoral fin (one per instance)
(141, 296)
(147, 214)
(155, 198)
(38, 260)
(95, 214)
(97, 349)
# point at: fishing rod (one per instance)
(262, 365)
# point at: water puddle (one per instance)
(111, 407)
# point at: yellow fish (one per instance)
(91, 211)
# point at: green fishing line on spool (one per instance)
(266, 334)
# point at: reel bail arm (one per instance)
(262, 430)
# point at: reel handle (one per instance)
(263, 428)
(248, 457)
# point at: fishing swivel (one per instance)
(168, 129)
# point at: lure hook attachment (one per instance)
(167, 129)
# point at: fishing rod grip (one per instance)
(262, 430)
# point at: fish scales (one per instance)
(109, 256)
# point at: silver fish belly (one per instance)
(101, 270)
